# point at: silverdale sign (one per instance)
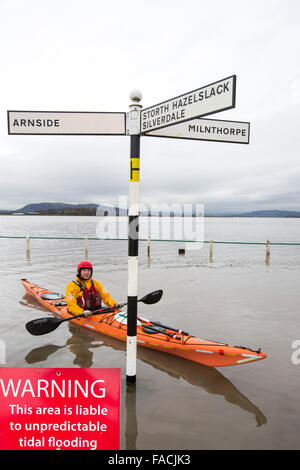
(210, 99)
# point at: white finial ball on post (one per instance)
(135, 96)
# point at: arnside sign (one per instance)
(66, 123)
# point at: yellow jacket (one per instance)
(73, 291)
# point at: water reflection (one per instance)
(77, 345)
(131, 430)
(29, 301)
(208, 378)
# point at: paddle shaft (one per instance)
(97, 312)
(42, 326)
(152, 328)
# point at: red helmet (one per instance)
(84, 264)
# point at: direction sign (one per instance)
(207, 129)
(66, 123)
(210, 99)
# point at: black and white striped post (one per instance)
(133, 240)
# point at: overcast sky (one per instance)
(70, 55)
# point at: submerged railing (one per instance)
(181, 251)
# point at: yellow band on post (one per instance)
(134, 169)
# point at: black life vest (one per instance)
(89, 299)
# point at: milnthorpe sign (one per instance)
(180, 118)
(65, 123)
(206, 129)
(210, 99)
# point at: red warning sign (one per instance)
(68, 409)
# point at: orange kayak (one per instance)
(149, 335)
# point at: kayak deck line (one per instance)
(207, 352)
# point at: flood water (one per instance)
(237, 298)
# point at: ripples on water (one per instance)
(237, 298)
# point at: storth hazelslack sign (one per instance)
(68, 409)
(210, 99)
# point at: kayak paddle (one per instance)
(151, 298)
(43, 326)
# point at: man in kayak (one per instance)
(85, 294)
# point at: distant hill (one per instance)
(61, 208)
(45, 206)
(268, 213)
(271, 213)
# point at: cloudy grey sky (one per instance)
(70, 55)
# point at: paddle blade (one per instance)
(42, 326)
(152, 298)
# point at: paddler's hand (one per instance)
(119, 306)
(87, 313)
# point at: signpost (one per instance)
(133, 129)
(180, 117)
